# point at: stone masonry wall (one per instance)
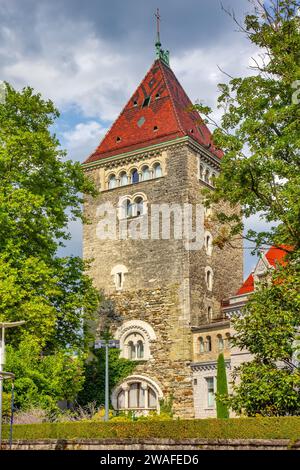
(165, 283)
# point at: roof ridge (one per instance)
(171, 96)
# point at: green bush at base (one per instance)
(239, 428)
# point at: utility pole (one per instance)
(106, 344)
(3, 374)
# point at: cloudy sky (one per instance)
(88, 57)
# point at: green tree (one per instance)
(260, 135)
(94, 371)
(260, 132)
(269, 329)
(39, 195)
(222, 389)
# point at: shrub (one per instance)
(238, 428)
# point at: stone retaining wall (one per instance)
(154, 444)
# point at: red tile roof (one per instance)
(248, 286)
(164, 118)
(274, 257)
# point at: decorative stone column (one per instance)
(126, 396)
(144, 387)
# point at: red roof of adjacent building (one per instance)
(274, 256)
(166, 116)
(248, 286)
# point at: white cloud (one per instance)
(201, 70)
(83, 139)
(73, 66)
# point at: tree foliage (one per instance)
(94, 371)
(269, 329)
(260, 130)
(260, 135)
(222, 389)
(39, 194)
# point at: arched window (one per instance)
(126, 209)
(123, 178)
(201, 345)
(118, 272)
(135, 331)
(227, 341)
(135, 345)
(201, 172)
(206, 178)
(140, 350)
(209, 313)
(137, 396)
(145, 173)
(131, 350)
(213, 178)
(112, 182)
(157, 171)
(208, 244)
(135, 176)
(220, 343)
(208, 343)
(139, 206)
(209, 278)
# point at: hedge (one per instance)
(239, 428)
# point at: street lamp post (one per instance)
(106, 344)
(3, 374)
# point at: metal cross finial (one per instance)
(157, 16)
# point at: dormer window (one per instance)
(146, 102)
(155, 128)
(135, 103)
(157, 96)
(118, 139)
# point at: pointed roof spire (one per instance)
(157, 112)
(160, 53)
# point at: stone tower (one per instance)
(152, 165)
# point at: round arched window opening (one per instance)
(209, 278)
(126, 209)
(208, 244)
(112, 182)
(139, 207)
(135, 176)
(123, 179)
(157, 170)
(208, 343)
(207, 175)
(220, 343)
(145, 173)
(201, 345)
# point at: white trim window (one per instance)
(209, 278)
(208, 242)
(137, 393)
(134, 345)
(118, 272)
(210, 392)
(112, 182)
(157, 170)
(135, 337)
(220, 343)
(123, 178)
(145, 173)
